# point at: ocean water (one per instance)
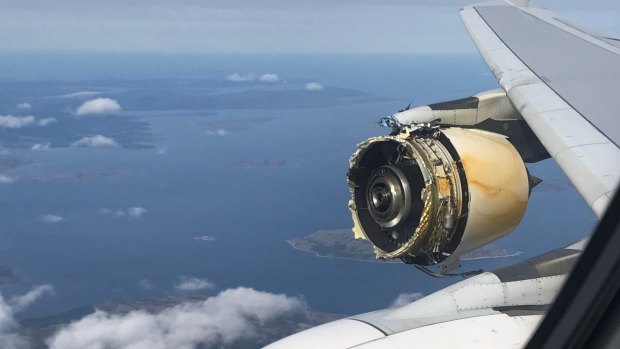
(251, 164)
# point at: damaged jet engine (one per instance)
(428, 194)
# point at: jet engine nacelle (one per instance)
(427, 195)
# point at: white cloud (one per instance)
(40, 146)
(146, 285)
(99, 106)
(217, 132)
(81, 94)
(46, 121)
(19, 303)
(406, 298)
(4, 179)
(51, 218)
(23, 106)
(234, 314)
(10, 121)
(240, 78)
(136, 212)
(313, 86)
(97, 141)
(10, 336)
(205, 238)
(193, 284)
(269, 78)
(105, 211)
(109, 212)
(162, 151)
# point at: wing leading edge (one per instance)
(564, 83)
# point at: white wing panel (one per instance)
(588, 157)
(339, 334)
(493, 331)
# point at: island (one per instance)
(340, 243)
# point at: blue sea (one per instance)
(249, 163)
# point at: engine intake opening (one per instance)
(388, 196)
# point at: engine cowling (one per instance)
(427, 195)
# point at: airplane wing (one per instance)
(558, 98)
(564, 83)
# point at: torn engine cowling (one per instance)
(427, 195)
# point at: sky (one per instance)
(255, 26)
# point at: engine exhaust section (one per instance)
(427, 195)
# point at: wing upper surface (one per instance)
(564, 82)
